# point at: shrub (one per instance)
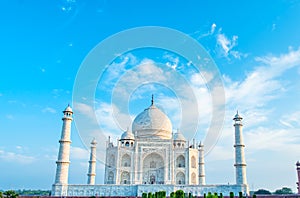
(163, 194)
(144, 195)
(240, 195)
(179, 194)
(172, 195)
(221, 195)
(231, 195)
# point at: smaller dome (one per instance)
(127, 135)
(94, 141)
(237, 116)
(68, 108)
(178, 136)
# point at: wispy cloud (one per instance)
(226, 45)
(199, 34)
(213, 28)
(78, 153)
(8, 156)
(68, 5)
(252, 95)
(48, 110)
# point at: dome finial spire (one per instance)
(152, 100)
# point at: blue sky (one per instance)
(254, 44)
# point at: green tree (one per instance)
(10, 194)
(1, 194)
(231, 194)
(172, 195)
(144, 195)
(149, 195)
(179, 194)
(254, 196)
(283, 191)
(240, 195)
(262, 192)
(221, 195)
(209, 195)
(163, 194)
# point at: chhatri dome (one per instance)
(127, 135)
(152, 123)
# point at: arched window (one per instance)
(126, 161)
(180, 178)
(125, 178)
(193, 178)
(110, 179)
(193, 161)
(111, 161)
(180, 161)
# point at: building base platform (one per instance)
(134, 190)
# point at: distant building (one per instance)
(148, 158)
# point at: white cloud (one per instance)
(273, 139)
(110, 117)
(262, 84)
(227, 44)
(48, 110)
(291, 120)
(213, 27)
(78, 153)
(207, 33)
(84, 109)
(220, 153)
(252, 96)
(16, 157)
(68, 5)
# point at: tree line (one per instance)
(282, 191)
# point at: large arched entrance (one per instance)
(153, 169)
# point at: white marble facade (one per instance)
(151, 158)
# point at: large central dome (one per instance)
(152, 123)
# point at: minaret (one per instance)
(63, 161)
(201, 164)
(298, 172)
(92, 164)
(240, 163)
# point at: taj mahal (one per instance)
(147, 158)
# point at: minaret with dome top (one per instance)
(298, 174)
(240, 162)
(92, 164)
(63, 160)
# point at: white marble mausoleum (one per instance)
(148, 158)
